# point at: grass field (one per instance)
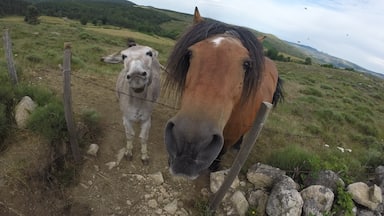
(322, 106)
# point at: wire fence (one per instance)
(174, 107)
(108, 88)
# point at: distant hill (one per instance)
(324, 58)
(160, 22)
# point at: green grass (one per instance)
(326, 106)
(322, 105)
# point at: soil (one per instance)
(128, 189)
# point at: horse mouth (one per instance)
(190, 159)
(138, 90)
(186, 167)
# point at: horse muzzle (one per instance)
(192, 146)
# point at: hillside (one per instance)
(324, 58)
(155, 21)
(323, 106)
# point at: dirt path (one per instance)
(129, 189)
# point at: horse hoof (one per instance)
(145, 161)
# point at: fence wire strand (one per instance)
(175, 108)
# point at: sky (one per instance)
(349, 29)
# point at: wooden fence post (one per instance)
(68, 103)
(9, 56)
(246, 146)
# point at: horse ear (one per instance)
(261, 38)
(197, 18)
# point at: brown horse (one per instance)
(223, 77)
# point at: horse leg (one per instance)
(144, 134)
(130, 134)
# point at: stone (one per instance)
(240, 203)
(111, 164)
(262, 176)
(258, 200)
(318, 200)
(217, 179)
(152, 203)
(93, 149)
(171, 208)
(365, 195)
(379, 176)
(326, 178)
(120, 155)
(284, 198)
(157, 178)
(23, 110)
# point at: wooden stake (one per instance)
(246, 147)
(9, 56)
(68, 103)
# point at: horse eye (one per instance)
(149, 53)
(188, 54)
(246, 66)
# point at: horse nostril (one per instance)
(144, 73)
(128, 76)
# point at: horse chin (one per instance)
(193, 177)
(186, 167)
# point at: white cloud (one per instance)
(348, 29)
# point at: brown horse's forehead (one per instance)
(221, 43)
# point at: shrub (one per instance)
(49, 121)
(293, 157)
(34, 58)
(345, 164)
(344, 202)
(3, 124)
(92, 127)
(40, 95)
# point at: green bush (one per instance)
(344, 202)
(3, 124)
(293, 157)
(40, 95)
(34, 58)
(49, 121)
(347, 165)
(92, 127)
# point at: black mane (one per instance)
(178, 61)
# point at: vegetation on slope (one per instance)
(323, 106)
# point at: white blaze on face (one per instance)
(217, 41)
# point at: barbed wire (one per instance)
(124, 93)
(269, 130)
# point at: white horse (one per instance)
(138, 88)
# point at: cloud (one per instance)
(348, 29)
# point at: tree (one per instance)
(32, 15)
(83, 20)
(272, 53)
(308, 61)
